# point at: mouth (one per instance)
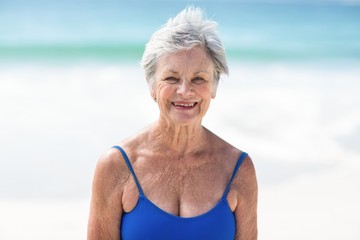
(184, 105)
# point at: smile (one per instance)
(184, 105)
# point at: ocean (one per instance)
(71, 86)
(118, 30)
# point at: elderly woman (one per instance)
(176, 179)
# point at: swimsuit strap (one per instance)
(240, 160)
(130, 168)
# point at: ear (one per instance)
(152, 92)
(151, 89)
(213, 92)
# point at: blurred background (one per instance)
(71, 87)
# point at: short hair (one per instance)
(188, 29)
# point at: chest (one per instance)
(184, 188)
(150, 222)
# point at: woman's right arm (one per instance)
(106, 207)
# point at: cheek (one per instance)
(161, 90)
(204, 106)
(162, 94)
(206, 99)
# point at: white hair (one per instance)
(187, 30)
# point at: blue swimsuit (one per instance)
(148, 222)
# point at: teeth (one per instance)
(184, 104)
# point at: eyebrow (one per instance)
(202, 72)
(173, 71)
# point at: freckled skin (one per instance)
(182, 167)
(184, 76)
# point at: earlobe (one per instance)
(152, 92)
(213, 94)
(153, 96)
(214, 89)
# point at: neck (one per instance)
(181, 139)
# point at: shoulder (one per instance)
(107, 189)
(224, 149)
(114, 159)
(247, 196)
(245, 181)
(111, 161)
(111, 172)
(245, 174)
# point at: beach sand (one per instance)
(299, 123)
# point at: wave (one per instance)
(133, 52)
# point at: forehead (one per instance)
(192, 60)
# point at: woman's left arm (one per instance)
(246, 209)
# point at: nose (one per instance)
(184, 88)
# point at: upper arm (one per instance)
(246, 209)
(106, 207)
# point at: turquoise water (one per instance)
(118, 30)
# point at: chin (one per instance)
(185, 121)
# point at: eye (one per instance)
(198, 80)
(171, 79)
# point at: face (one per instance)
(184, 86)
